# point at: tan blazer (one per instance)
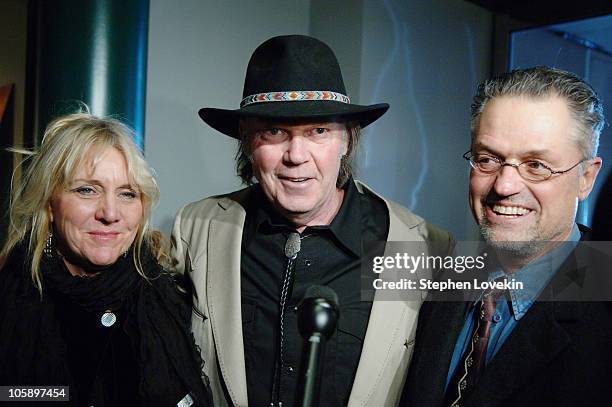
(207, 237)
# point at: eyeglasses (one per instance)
(531, 170)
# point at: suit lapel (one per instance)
(223, 288)
(537, 338)
(387, 324)
(535, 341)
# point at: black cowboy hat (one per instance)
(292, 78)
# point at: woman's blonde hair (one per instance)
(67, 143)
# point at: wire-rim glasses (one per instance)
(530, 170)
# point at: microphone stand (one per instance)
(315, 349)
(317, 317)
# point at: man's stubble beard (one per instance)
(529, 245)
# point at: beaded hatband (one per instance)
(294, 96)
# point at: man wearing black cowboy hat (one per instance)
(298, 133)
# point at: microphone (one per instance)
(317, 317)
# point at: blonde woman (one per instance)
(84, 299)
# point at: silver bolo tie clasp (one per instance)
(293, 245)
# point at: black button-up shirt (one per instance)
(331, 256)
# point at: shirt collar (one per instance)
(346, 226)
(537, 274)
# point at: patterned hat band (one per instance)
(295, 96)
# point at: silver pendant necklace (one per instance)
(108, 319)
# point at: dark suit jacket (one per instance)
(559, 353)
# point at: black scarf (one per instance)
(33, 352)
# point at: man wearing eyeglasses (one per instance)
(533, 157)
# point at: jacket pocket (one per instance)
(199, 328)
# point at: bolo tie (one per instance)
(292, 248)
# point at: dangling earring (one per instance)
(48, 250)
